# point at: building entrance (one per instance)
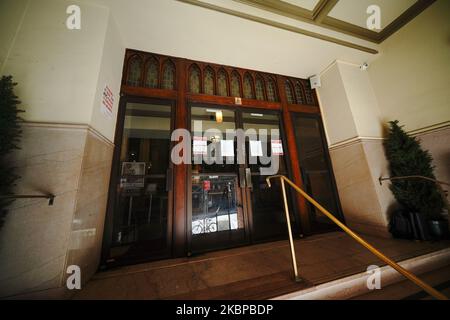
(230, 203)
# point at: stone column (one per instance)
(354, 131)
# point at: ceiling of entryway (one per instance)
(244, 34)
(346, 16)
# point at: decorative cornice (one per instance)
(416, 133)
(430, 129)
(352, 141)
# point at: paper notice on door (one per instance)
(277, 148)
(227, 148)
(199, 146)
(256, 148)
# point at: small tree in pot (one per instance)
(418, 196)
(9, 139)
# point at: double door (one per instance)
(230, 203)
(228, 200)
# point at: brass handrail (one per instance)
(50, 197)
(433, 292)
(381, 179)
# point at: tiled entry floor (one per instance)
(253, 272)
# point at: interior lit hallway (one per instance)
(264, 271)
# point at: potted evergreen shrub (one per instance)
(9, 139)
(421, 198)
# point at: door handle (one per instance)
(248, 178)
(169, 179)
(242, 177)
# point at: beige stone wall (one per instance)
(38, 241)
(61, 73)
(411, 76)
(437, 141)
(67, 144)
(358, 188)
(354, 131)
(88, 220)
(408, 81)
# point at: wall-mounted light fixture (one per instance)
(219, 116)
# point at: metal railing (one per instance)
(430, 290)
(438, 183)
(50, 197)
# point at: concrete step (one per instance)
(406, 290)
(433, 268)
(259, 288)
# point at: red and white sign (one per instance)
(277, 148)
(206, 185)
(107, 101)
(199, 146)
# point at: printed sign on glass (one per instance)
(132, 175)
(227, 148)
(256, 148)
(200, 145)
(277, 148)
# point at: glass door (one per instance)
(267, 218)
(316, 170)
(142, 212)
(217, 215)
(230, 202)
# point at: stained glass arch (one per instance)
(168, 75)
(134, 71)
(151, 73)
(208, 81)
(222, 83)
(271, 90)
(248, 86)
(235, 84)
(194, 79)
(309, 93)
(259, 88)
(289, 92)
(299, 94)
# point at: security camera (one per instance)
(364, 66)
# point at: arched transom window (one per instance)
(235, 84)
(248, 87)
(194, 79)
(222, 83)
(208, 81)
(134, 71)
(151, 73)
(168, 80)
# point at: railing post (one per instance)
(291, 240)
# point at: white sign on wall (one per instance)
(107, 101)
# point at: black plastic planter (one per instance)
(438, 228)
